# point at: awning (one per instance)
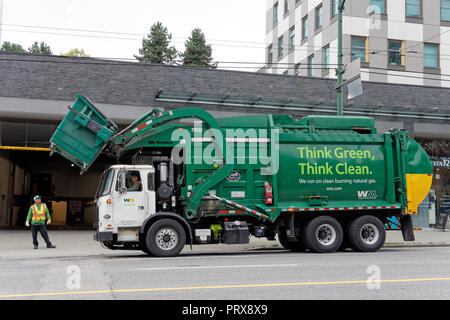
(426, 112)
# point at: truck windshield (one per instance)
(104, 187)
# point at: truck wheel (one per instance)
(296, 246)
(323, 234)
(145, 249)
(366, 234)
(165, 238)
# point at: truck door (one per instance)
(130, 207)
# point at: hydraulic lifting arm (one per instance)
(156, 118)
(85, 133)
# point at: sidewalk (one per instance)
(69, 243)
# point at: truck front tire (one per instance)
(366, 234)
(165, 238)
(323, 234)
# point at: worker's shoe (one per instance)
(35, 247)
(50, 246)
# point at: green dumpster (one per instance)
(83, 133)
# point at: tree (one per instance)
(76, 53)
(40, 48)
(156, 47)
(12, 47)
(197, 52)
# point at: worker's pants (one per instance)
(42, 230)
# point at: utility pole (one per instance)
(340, 68)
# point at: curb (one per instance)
(386, 245)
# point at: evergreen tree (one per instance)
(12, 47)
(156, 47)
(198, 53)
(40, 48)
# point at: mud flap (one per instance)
(291, 230)
(407, 228)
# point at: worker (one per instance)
(137, 184)
(38, 214)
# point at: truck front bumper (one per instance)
(103, 236)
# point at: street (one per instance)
(214, 274)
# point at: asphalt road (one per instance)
(403, 273)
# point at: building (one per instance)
(35, 92)
(398, 41)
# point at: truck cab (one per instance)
(125, 199)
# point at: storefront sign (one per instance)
(440, 162)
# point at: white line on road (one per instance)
(219, 267)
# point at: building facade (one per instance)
(398, 41)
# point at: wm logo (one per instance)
(128, 200)
(367, 195)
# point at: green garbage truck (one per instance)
(321, 183)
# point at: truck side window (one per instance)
(151, 182)
(134, 181)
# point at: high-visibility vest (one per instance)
(39, 214)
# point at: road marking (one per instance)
(213, 267)
(216, 287)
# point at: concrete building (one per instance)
(398, 41)
(35, 92)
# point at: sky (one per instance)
(234, 28)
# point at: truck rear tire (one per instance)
(323, 234)
(165, 238)
(366, 234)
(297, 246)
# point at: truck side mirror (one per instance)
(122, 181)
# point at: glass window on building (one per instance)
(305, 27)
(291, 38)
(310, 65)
(286, 6)
(396, 55)
(431, 56)
(439, 197)
(326, 57)
(377, 6)
(413, 8)
(270, 54)
(445, 10)
(275, 13)
(334, 8)
(280, 47)
(319, 16)
(359, 49)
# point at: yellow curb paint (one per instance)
(24, 148)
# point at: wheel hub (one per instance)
(369, 233)
(166, 238)
(326, 234)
